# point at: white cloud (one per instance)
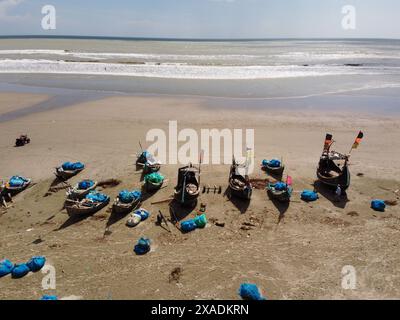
(5, 5)
(222, 0)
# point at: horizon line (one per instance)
(182, 38)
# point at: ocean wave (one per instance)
(178, 71)
(340, 55)
(121, 55)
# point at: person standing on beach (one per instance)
(338, 193)
(4, 195)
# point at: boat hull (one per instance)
(124, 208)
(76, 193)
(149, 186)
(273, 170)
(342, 180)
(244, 194)
(15, 190)
(66, 174)
(282, 196)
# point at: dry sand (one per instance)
(298, 255)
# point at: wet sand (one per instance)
(291, 253)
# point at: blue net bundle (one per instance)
(47, 297)
(142, 247)
(308, 195)
(97, 197)
(378, 205)
(20, 270)
(274, 163)
(6, 267)
(36, 263)
(17, 181)
(72, 165)
(249, 291)
(126, 196)
(188, 225)
(192, 224)
(85, 184)
(280, 186)
(154, 177)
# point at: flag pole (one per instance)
(200, 161)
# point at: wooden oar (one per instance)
(162, 201)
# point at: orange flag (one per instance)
(358, 140)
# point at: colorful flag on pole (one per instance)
(358, 140)
(328, 141)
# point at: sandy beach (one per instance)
(296, 253)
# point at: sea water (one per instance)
(279, 73)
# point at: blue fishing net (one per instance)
(142, 247)
(17, 181)
(126, 196)
(85, 184)
(154, 177)
(72, 165)
(20, 270)
(308, 195)
(378, 205)
(188, 225)
(6, 267)
(200, 221)
(36, 263)
(274, 163)
(97, 197)
(249, 291)
(280, 186)
(47, 297)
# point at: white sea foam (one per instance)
(339, 55)
(122, 55)
(178, 71)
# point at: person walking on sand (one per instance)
(4, 195)
(338, 193)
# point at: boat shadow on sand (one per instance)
(73, 220)
(114, 218)
(282, 207)
(179, 212)
(241, 204)
(329, 194)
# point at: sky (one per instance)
(203, 18)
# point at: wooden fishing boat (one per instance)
(187, 189)
(239, 184)
(77, 193)
(66, 174)
(282, 195)
(84, 207)
(120, 207)
(152, 186)
(333, 167)
(148, 163)
(277, 171)
(12, 190)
